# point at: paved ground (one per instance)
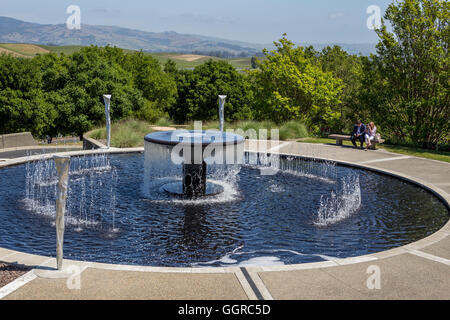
(107, 285)
(403, 276)
(417, 271)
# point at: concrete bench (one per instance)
(341, 138)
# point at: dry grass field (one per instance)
(183, 61)
(22, 50)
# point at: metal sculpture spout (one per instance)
(222, 112)
(62, 167)
(107, 99)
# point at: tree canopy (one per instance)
(406, 86)
(198, 92)
(290, 85)
(58, 94)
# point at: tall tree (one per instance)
(410, 93)
(290, 86)
(198, 92)
(348, 68)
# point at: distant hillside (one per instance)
(190, 61)
(16, 31)
(183, 61)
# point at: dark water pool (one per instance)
(308, 212)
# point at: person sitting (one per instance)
(370, 135)
(358, 134)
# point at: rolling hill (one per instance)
(183, 61)
(17, 31)
(22, 50)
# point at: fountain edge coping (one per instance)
(35, 260)
(161, 138)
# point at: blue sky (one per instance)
(257, 21)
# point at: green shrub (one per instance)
(293, 130)
(98, 134)
(124, 138)
(164, 122)
(289, 130)
(127, 133)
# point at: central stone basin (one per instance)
(194, 150)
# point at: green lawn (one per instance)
(410, 151)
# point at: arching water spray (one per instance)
(341, 204)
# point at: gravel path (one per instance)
(9, 273)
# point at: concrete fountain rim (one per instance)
(213, 138)
(32, 260)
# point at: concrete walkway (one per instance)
(418, 271)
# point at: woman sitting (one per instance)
(370, 135)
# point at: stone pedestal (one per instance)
(194, 180)
(191, 152)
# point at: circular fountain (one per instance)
(121, 208)
(194, 151)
